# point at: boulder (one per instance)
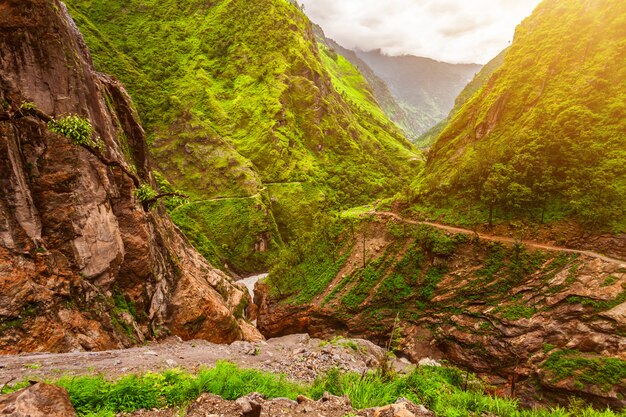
(39, 400)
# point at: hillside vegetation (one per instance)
(237, 97)
(500, 309)
(468, 92)
(424, 89)
(544, 138)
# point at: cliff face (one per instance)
(82, 265)
(552, 321)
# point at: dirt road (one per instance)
(502, 239)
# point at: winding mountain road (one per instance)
(501, 239)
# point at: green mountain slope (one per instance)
(468, 92)
(424, 88)
(411, 120)
(545, 137)
(240, 103)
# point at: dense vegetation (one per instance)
(236, 98)
(544, 137)
(441, 389)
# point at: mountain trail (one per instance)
(501, 239)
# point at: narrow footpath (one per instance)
(501, 239)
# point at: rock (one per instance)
(285, 400)
(150, 353)
(302, 399)
(171, 363)
(71, 228)
(250, 332)
(39, 400)
(249, 408)
(255, 396)
(429, 362)
(402, 408)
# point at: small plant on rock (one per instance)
(79, 130)
(145, 193)
(27, 106)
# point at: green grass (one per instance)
(515, 311)
(238, 98)
(230, 230)
(596, 371)
(438, 388)
(598, 305)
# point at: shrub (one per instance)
(79, 130)
(28, 105)
(145, 192)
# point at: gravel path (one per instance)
(503, 239)
(299, 357)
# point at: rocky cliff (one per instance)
(545, 324)
(83, 265)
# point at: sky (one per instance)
(456, 31)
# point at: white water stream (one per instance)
(251, 281)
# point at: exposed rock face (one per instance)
(82, 264)
(39, 400)
(500, 311)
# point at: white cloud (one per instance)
(446, 30)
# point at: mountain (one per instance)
(412, 122)
(470, 89)
(538, 137)
(425, 89)
(89, 259)
(545, 324)
(250, 117)
(544, 138)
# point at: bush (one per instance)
(79, 130)
(145, 192)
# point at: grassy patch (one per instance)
(599, 371)
(598, 305)
(438, 388)
(515, 311)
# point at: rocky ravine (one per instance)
(510, 312)
(82, 264)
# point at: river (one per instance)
(251, 281)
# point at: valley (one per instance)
(200, 201)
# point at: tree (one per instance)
(495, 187)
